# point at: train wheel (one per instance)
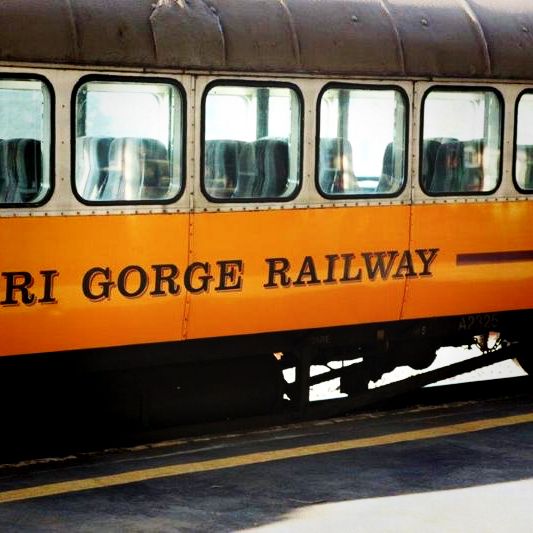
(524, 357)
(211, 391)
(526, 363)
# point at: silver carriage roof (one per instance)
(393, 38)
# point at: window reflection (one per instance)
(461, 142)
(25, 141)
(362, 139)
(524, 143)
(128, 141)
(251, 143)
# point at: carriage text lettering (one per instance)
(101, 282)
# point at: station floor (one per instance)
(455, 468)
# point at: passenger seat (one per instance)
(138, 170)
(221, 168)
(92, 166)
(22, 170)
(448, 168)
(272, 160)
(334, 161)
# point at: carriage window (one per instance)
(461, 145)
(128, 142)
(524, 144)
(251, 143)
(362, 142)
(25, 142)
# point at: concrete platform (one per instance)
(461, 467)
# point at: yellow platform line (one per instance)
(53, 489)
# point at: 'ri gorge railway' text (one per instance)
(132, 281)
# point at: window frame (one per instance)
(515, 142)
(52, 132)
(407, 144)
(460, 89)
(253, 84)
(183, 126)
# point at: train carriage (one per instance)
(195, 195)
